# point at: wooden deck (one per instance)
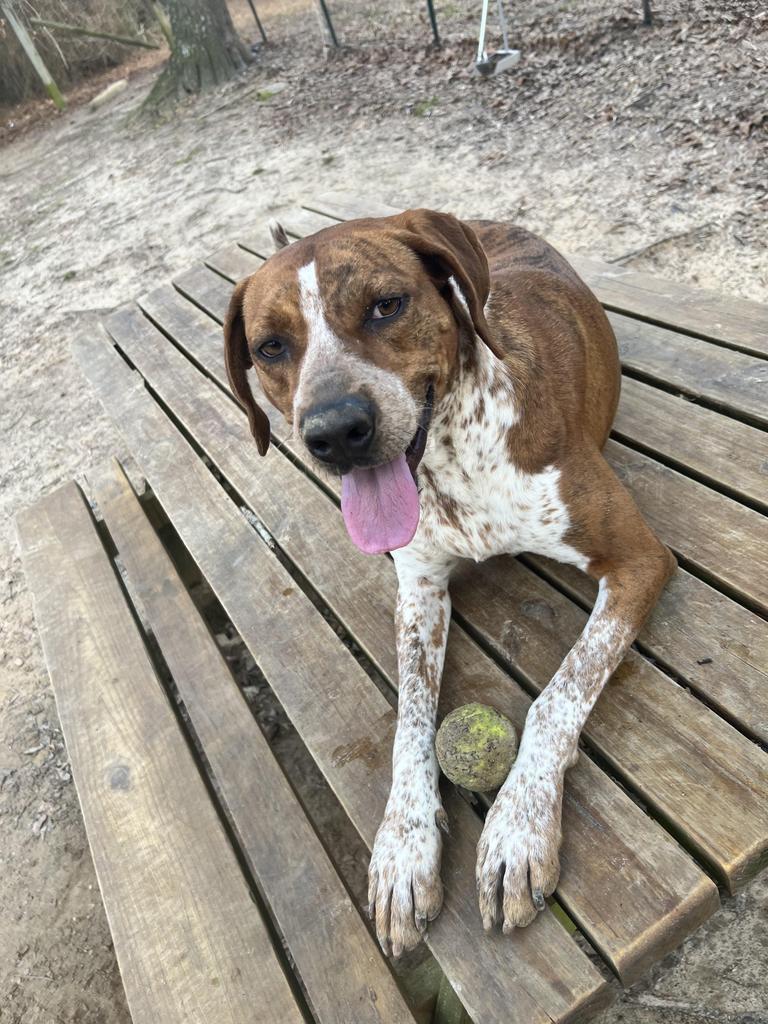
(669, 799)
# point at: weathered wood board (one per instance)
(185, 927)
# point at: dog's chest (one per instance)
(475, 502)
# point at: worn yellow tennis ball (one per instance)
(476, 746)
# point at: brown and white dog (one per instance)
(462, 379)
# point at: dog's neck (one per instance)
(473, 418)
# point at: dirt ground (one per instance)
(648, 146)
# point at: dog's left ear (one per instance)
(238, 360)
(451, 249)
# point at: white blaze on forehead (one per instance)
(323, 346)
(319, 333)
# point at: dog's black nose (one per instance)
(340, 432)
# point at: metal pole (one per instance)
(481, 39)
(328, 22)
(258, 22)
(647, 13)
(433, 22)
(503, 23)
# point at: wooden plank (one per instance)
(299, 222)
(206, 289)
(201, 336)
(733, 382)
(698, 624)
(720, 450)
(737, 323)
(324, 933)
(233, 262)
(734, 322)
(185, 928)
(724, 540)
(237, 260)
(539, 977)
(631, 934)
(259, 241)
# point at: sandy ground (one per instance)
(607, 138)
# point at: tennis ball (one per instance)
(476, 746)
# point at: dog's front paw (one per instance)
(517, 856)
(404, 886)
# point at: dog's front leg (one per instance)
(404, 888)
(518, 864)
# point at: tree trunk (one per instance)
(205, 52)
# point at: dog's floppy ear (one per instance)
(238, 360)
(451, 249)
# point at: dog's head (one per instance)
(354, 333)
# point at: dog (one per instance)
(462, 379)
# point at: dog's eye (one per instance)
(271, 349)
(386, 308)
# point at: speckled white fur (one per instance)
(404, 889)
(517, 864)
(470, 465)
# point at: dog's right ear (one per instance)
(451, 249)
(238, 360)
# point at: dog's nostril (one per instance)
(359, 434)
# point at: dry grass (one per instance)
(69, 58)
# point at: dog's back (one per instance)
(552, 326)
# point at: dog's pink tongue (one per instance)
(380, 506)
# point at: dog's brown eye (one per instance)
(387, 307)
(271, 349)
